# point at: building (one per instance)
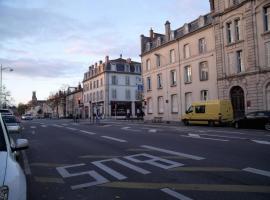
(112, 88)
(179, 67)
(242, 33)
(74, 102)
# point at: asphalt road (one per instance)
(131, 161)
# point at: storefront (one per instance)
(120, 108)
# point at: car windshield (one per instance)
(8, 119)
(2, 140)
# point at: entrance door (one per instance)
(238, 101)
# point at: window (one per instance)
(90, 97)
(187, 74)
(237, 29)
(149, 86)
(173, 78)
(101, 82)
(128, 95)
(114, 93)
(174, 103)
(204, 95)
(94, 96)
(158, 41)
(202, 45)
(203, 68)
(267, 92)
(90, 85)
(267, 53)
(97, 83)
(159, 81)
(101, 95)
(148, 46)
(127, 68)
(229, 32)
(239, 61)
(114, 80)
(94, 84)
(188, 100)
(199, 109)
(158, 60)
(148, 65)
(172, 56)
(186, 51)
(149, 106)
(127, 80)
(137, 68)
(267, 18)
(160, 105)
(97, 95)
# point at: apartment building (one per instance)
(242, 37)
(112, 88)
(179, 67)
(74, 102)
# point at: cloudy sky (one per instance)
(51, 43)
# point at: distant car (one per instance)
(12, 124)
(259, 119)
(27, 117)
(12, 178)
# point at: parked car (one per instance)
(27, 117)
(12, 178)
(5, 112)
(12, 123)
(209, 112)
(259, 119)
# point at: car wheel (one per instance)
(267, 126)
(211, 123)
(236, 125)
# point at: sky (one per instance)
(50, 43)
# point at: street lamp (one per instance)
(1, 87)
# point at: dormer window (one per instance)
(172, 35)
(201, 21)
(186, 28)
(158, 41)
(148, 46)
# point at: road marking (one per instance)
(138, 150)
(52, 165)
(175, 194)
(173, 152)
(44, 126)
(64, 124)
(152, 130)
(223, 136)
(98, 156)
(107, 125)
(257, 171)
(204, 169)
(49, 180)
(58, 126)
(114, 139)
(33, 132)
(33, 127)
(190, 187)
(88, 132)
(73, 129)
(27, 169)
(261, 142)
(203, 138)
(129, 129)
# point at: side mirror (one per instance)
(21, 144)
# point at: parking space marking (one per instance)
(205, 169)
(261, 142)
(49, 180)
(173, 152)
(27, 169)
(98, 156)
(257, 171)
(87, 132)
(175, 194)
(113, 139)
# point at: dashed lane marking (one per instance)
(152, 130)
(173, 152)
(190, 187)
(257, 171)
(261, 142)
(88, 132)
(205, 169)
(49, 180)
(59, 126)
(33, 127)
(44, 126)
(224, 136)
(73, 129)
(202, 138)
(175, 194)
(113, 139)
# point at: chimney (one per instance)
(100, 62)
(167, 30)
(151, 33)
(121, 55)
(89, 68)
(95, 65)
(107, 59)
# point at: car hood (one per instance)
(3, 164)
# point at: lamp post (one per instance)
(1, 87)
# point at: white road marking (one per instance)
(114, 139)
(125, 128)
(152, 130)
(64, 124)
(223, 136)
(175, 194)
(27, 169)
(33, 132)
(58, 126)
(173, 152)
(44, 126)
(257, 171)
(88, 132)
(203, 138)
(193, 135)
(261, 142)
(73, 129)
(33, 127)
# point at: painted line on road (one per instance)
(52, 165)
(49, 180)
(27, 169)
(98, 156)
(33, 132)
(257, 171)
(203, 138)
(204, 169)
(261, 142)
(173, 152)
(152, 130)
(190, 187)
(59, 126)
(87, 132)
(73, 129)
(44, 126)
(112, 138)
(175, 194)
(224, 136)
(33, 127)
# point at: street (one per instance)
(133, 160)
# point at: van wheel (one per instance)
(236, 125)
(267, 126)
(186, 123)
(211, 123)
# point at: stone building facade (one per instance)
(74, 102)
(242, 37)
(179, 67)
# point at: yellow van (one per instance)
(209, 112)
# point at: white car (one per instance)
(12, 178)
